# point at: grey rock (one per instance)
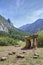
(23, 51)
(20, 56)
(35, 57)
(13, 52)
(3, 58)
(36, 54)
(10, 53)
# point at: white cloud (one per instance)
(34, 15)
(38, 12)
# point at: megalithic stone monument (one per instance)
(28, 41)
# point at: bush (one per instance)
(3, 33)
(40, 39)
(5, 41)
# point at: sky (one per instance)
(21, 12)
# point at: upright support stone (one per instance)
(28, 43)
(35, 43)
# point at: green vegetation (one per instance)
(40, 39)
(21, 43)
(2, 33)
(11, 37)
(17, 34)
(5, 41)
(9, 34)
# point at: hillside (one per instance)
(7, 26)
(4, 24)
(34, 27)
(8, 33)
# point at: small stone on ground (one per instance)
(10, 53)
(3, 58)
(13, 52)
(35, 57)
(36, 54)
(20, 56)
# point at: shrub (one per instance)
(40, 39)
(5, 41)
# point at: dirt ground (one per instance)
(28, 56)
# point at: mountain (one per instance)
(7, 26)
(4, 24)
(34, 27)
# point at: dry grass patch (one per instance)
(27, 60)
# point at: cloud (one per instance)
(28, 18)
(19, 3)
(38, 12)
(21, 11)
(34, 15)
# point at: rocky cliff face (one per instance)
(3, 28)
(5, 24)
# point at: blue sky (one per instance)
(21, 12)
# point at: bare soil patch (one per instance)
(28, 56)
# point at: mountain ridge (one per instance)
(34, 27)
(7, 26)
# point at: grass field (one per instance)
(28, 60)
